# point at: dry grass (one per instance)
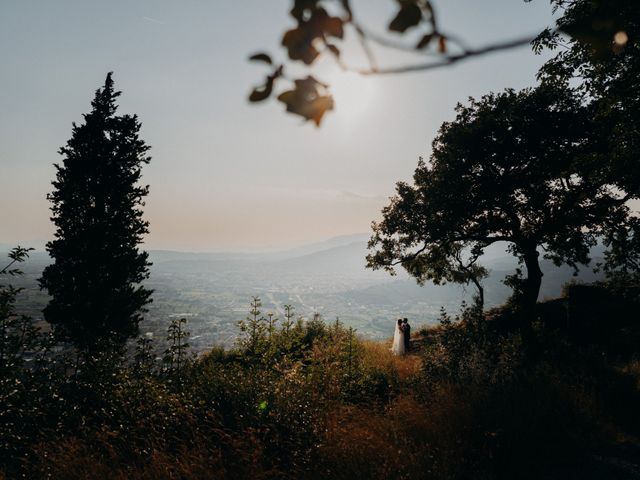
(378, 355)
(407, 440)
(74, 460)
(445, 429)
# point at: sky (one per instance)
(227, 175)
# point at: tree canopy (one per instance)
(95, 280)
(519, 167)
(550, 168)
(602, 63)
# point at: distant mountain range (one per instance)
(345, 257)
(268, 255)
(340, 257)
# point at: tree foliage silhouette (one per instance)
(520, 167)
(602, 63)
(95, 280)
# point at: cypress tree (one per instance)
(95, 280)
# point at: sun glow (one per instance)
(353, 95)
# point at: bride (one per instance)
(398, 339)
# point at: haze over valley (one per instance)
(213, 290)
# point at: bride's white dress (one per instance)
(398, 342)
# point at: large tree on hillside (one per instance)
(95, 280)
(520, 167)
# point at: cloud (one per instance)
(153, 20)
(359, 196)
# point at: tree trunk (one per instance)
(534, 277)
(480, 295)
(531, 284)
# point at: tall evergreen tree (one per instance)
(95, 280)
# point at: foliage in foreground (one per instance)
(306, 399)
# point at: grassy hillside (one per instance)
(312, 400)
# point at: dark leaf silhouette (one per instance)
(261, 57)
(425, 41)
(299, 46)
(408, 16)
(300, 40)
(331, 26)
(263, 92)
(302, 7)
(307, 100)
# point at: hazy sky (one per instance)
(226, 174)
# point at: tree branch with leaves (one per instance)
(323, 25)
(600, 27)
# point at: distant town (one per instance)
(213, 290)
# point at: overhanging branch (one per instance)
(449, 59)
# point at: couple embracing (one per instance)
(401, 337)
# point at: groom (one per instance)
(406, 330)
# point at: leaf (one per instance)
(261, 57)
(300, 7)
(333, 26)
(301, 42)
(299, 45)
(287, 97)
(424, 41)
(408, 16)
(259, 94)
(309, 85)
(319, 107)
(321, 25)
(263, 92)
(307, 100)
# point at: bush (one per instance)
(466, 351)
(312, 400)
